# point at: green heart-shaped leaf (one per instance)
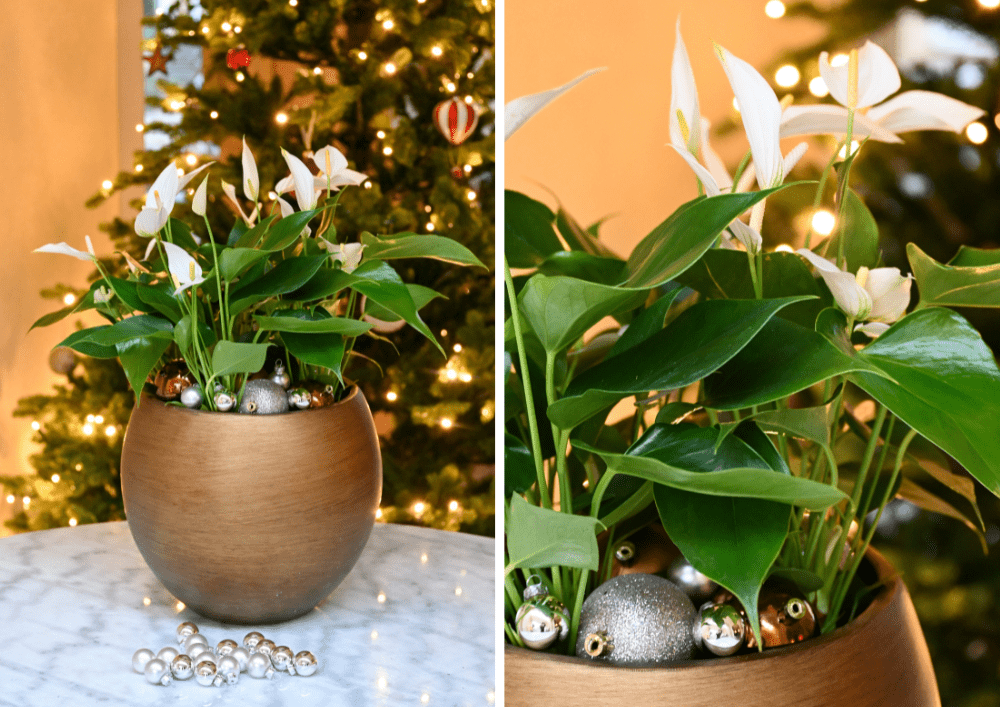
(970, 280)
(528, 234)
(539, 537)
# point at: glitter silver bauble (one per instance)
(719, 629)
(259, 666)
(157, 672)
(305, 663)
(226, 646)
(692, 582)
(192, 640)
(184, 630)
(251, 640)
(242, 655)
(197, 649)
(140, 658)
(168, 654)
(224, 401)
(645, 621)
(192, 397)
(542, 619)
(263, 397)
(230, 668)
(205, 672)
(182, 667)
(266, 647)
(280, 375)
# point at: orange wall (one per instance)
(601, 148)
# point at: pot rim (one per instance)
(892, 585)
(352, 392)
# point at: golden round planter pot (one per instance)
(251, 519)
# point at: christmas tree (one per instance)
(940, 191)
(364, 77)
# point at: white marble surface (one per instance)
(76, 603)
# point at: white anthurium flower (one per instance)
(184, 179)
(878, 78)
(102, 295)
(685, 118)
(200, 202)
(251, 182)
(520, 110)
(183, 268)
(66, 249)
(287, 210)
(160, 199)
(712, 160)
(333, 169)
(305, 190)
(285, 185)
(878, 296)
(348, 254)
(230, 191)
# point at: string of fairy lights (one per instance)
(789, 76)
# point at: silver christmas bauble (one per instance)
(224, 401)
(197, 649)
(242, 655)
(541, 621)
(281, 657)
(226, 646)
(719, 629)
(208, 656)
(280, 375)
(692, 582)
(204, 672)
(157, 672)
(140, 658)
(259, 666)
(266, 647)
(184, 630)
(643, 621)
(251, 640)
(192, 640)
(299, 398)
(192, 397)
(230, 668)
(182, 667)
(168, 654)
(305, 663)
(263, 397)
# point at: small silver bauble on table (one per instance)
(643, 621)
(251, 640)
(263, 397)
(192, 640)
(205, 672)
(192, 397)
(692, 582)
(281, 376)
(208, 656)
(719, 629)
(197, 649)
(229, 667)
(281, 658)
(226, 646)
(157, 672)
(242, 655)
(140, 658)
(168, 654)
(266, 647)
(224, 401)
(259, 666)
(305, 663)
(184, 630)
(542, 619)
(182, 667)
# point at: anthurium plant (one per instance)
(219, 302)
(762, 405)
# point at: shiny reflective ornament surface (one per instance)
(298, 398)
(281, 658)
(281, 376)
(192, 397)
(542, 619)
(204, 672)
(251, 640)
(230, 668)
(208, 656)
(182, 667)
(192, 640)
(168, 654)
(224, 401)
(646, 620)
(305, 663)
(625, 552)
(692, 582)
(719, 629)
(259, 666)
(140, 658)
(157, 672)
(266, 647)
(184, 630)
(597, 644)
(263, 397)
(226, 646)
(785, 615)
(197, 649)
(652, 552)
(320, 394)
(242, 655)
(172, 379)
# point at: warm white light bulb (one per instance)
(107, 184)
(471, 195)
(977, 133)
(451, 87)
(214, 114)
(281, 118)
(453, 506)
(237, 29)
(465, 377)
(192, 160)
(391, 396)
(138, 168)
(787, 76)
(380, 134)
(774, 9)
(430, 226)
(436, 50)
(139, 127)
(10, 498)
(451, 374)
(69, 298)
(456, 348)
(390, 68)
(72, 522)
(99, 419)
(990, 4)
(226, 26)
(386, 150)
(55, 478)
(362, 55)
(240, 76)
(823, 222)
(446, 423)
(817, 87)
(110, 430)
(88, 429)
(317, 71)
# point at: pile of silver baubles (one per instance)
(261, 396)
(258, 657)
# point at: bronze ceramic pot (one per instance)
(878, 660)
(251, 519)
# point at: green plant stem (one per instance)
(866, 460)
(536, 445)
(819, 190)
(574, 624)
(757, 289)
(218, 279)
(560, 437)
(870, 494)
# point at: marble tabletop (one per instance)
(411, 625)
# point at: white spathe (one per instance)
(183, 268)
(333, 170)
(160, 199)
(878, 77)
(348, 254)
(251, 181)
(66, 249)
(520, 110)
(305, 190)
(200, 202)
(683, 100)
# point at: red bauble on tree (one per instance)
(455, 120)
